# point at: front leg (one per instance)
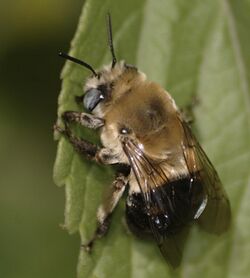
(84, 119)
(105, 210)
(83, 147)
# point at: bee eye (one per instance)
(92, 98)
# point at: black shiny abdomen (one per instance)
(136, 215)
(172, 206)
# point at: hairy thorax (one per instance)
(149, 120)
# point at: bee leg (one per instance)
(187, 112)
(88, 149)
(84, 119)
(105, 210)
(82, 146)
(187, 116)
(101, 230)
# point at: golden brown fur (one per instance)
(148, 112)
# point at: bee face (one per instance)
(110, 83)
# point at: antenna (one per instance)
(110, 39)
(82, 63)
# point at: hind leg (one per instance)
(105, 210)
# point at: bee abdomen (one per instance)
(172, 207)
(136, 215)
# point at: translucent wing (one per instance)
(171, 205)
(216, 216)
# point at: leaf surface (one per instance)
(192, 48)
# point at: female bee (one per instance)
(171, 181)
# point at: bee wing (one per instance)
(216, 216)
(172, 247)
(170, 205)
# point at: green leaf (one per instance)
(190, 48)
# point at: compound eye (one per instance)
(91, 98)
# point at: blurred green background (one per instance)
(31, 206)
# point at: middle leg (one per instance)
(88, 149)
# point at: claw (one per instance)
(64, 131)
(58, 128)
(88, 246)
(68, 116)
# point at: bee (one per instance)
(170, 180)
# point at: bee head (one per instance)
(99, 87)
(110, 83)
